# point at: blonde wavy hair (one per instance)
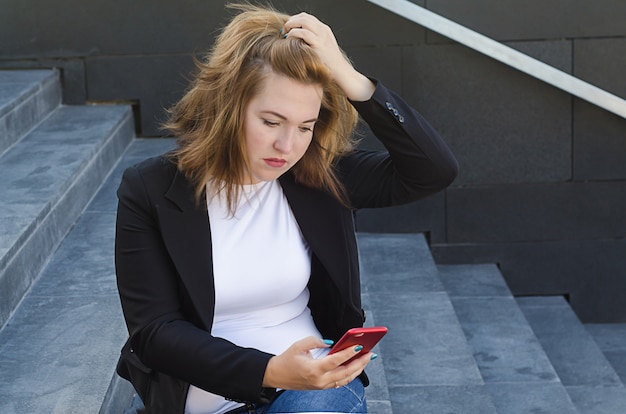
(208, 120)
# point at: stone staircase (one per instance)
(459, 342)
(59, 311)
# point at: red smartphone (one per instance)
(366, 337)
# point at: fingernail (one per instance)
(281, 31)
(373, 357)
(329, 342)
(285, 35)
(358, 348)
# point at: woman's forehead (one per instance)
(288, 97)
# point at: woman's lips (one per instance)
(275, 162)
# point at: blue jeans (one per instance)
(347, 399)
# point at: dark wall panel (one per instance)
(599, 143)
(602, 62)
(424, 216)
(537, 212)
(504, 126)
(69, 28)
(536, 19)
(154, 82)
(40, 28)
(382, 63)
(600, 137)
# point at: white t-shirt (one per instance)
(261, 266)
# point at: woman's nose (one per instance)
(284, 142)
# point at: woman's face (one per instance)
(278, 126)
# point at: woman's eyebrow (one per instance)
(284, 118)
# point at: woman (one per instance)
(236, 256)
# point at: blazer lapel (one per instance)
(185, 228)
(324, 227)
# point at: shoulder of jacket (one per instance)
(154, 173)
(157, 163)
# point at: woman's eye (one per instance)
(270, 123)
(306, 129)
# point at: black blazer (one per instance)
(164, 265)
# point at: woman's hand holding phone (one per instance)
(296, 369)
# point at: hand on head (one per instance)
(321, 38)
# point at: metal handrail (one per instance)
(506, 55)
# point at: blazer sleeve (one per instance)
(417, 162)
(152, 297)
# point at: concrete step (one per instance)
(426, 362)
(611, 338)
(26, 97)
(62, 343)
(49, 176)
(518, 373)
(589, 378)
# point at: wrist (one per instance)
(357, 87)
